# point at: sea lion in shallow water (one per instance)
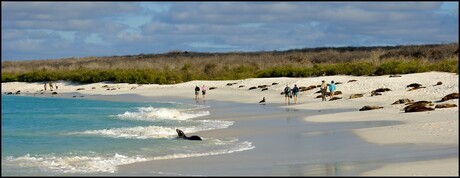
(262, 101)
(181, 134)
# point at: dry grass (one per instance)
(245, 63)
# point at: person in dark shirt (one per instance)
(295, 93)
(197, 92)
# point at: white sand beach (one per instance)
(437, 128)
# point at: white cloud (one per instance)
(156, 27)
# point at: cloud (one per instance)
(22, 22)
(65, 10)
(125, 28)
(65, 16)
(230, 13)
(376, 20)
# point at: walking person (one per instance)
(287, 94)
(197, 91)
(203, 91)
(295, 93)
(323, 90)
(51, 86)
(332, 88)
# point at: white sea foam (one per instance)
(139, 132)
(73, 164)
(148, 132)
(108, 164)
(152, 113)
(235, 148)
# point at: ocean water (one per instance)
(76, 136)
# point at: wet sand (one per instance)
(286, 145)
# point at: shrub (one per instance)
(9, 77)
(388, 68)
(176, 67)
(449, 65)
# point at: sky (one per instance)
(54, 30)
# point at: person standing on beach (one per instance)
(45, 85)
(56, 85)
(295, 93)
(332, 88)
(287, 94)
(51, 86)
(197, 91)
(323, 90)
(203, 91)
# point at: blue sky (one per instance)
(51, 30)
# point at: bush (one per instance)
(186, 66)
(388, 68)
(449, 65)
(9, 77)
(359, 68)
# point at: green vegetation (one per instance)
(177, 67)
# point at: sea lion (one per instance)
(450, 97)
(370, 107)
(307, 88)
(181, 134)
(439, 83)
(419, 106)
(447, 105)
(402, 101)
(359, 95)
(262, 86)
(262, 101)
(414, 85)
(335, 98)
(379, 90)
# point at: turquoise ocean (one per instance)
(79, 136)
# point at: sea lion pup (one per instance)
(262, 101)
(181, 134)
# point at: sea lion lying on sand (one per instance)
(181, 134)
(419, 106)
(450, 97)
(369, 107)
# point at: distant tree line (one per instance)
(182, 66)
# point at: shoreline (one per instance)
(421, 129)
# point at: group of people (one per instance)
(197, 92)
(51, 85)
(291, 93)
(294, 92)
(324, 89)
(288, 92)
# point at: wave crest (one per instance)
(152, 113)
(98, 163)
(74, 164)
(149, 132)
